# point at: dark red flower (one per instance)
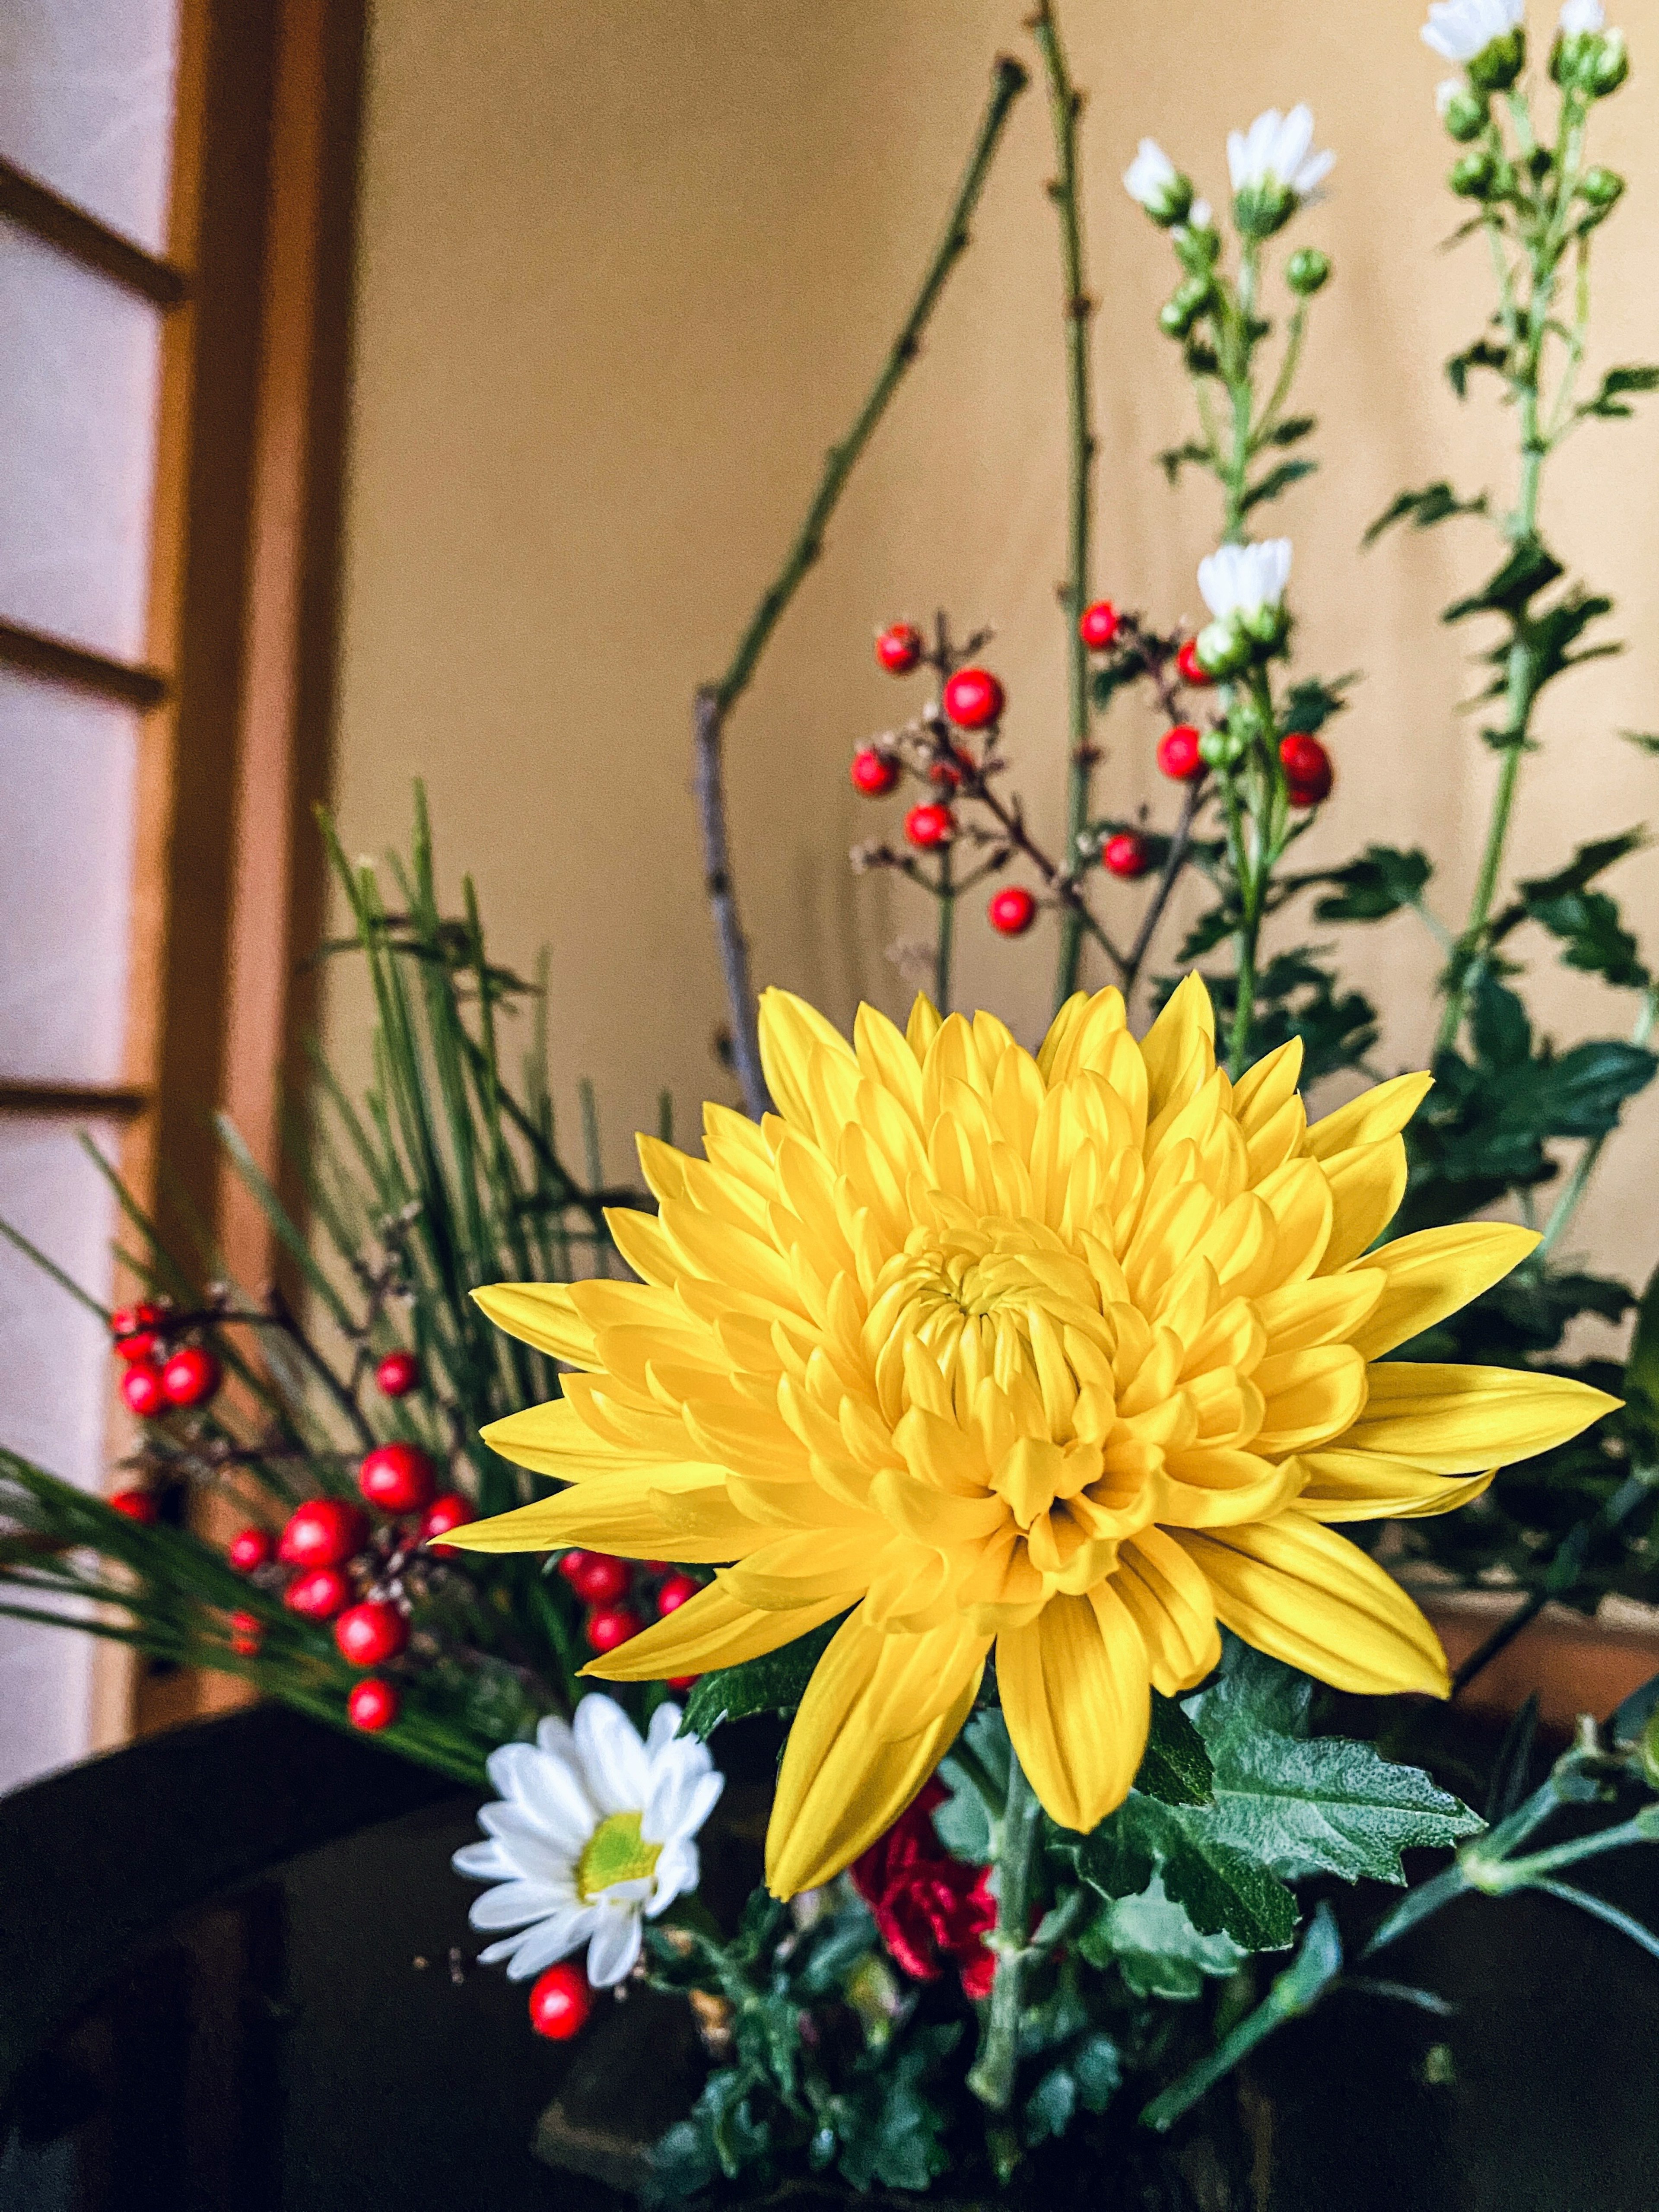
(928, 1906)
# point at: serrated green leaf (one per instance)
(1588, 925)
(1175, 1766)
(1049, 2107)
(1640, 376)
(1436, 502)
(1528, 570)
(1304, 1805)
(1642, 1374)
(1380, 883)
(1154, 1945)
(1311, 702)
(774, 1684)
(1292, 430)
(975, 1772)
(1220, 1887)
(1276, 482)
(1481, 355)
(1174, 458)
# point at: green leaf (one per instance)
(1499, 1026)
(1304, 1805)
(774, 1684)
(1380, 883)
(1608, 401)
(1588, 925)
(1481, 355)
(1156, 1948)
(1436, 502)
(1292, 430)
(1174, 458)
(1587, 863)
(1528, 570)
(1644, 740)
(1219, 1886)
(1276, 482)
(975, 1772)
(1642, 1375)
(1311, 703)
(1175, 1766)
(1049, 2107)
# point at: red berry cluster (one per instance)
(162, 1376)
(620, 1595)
(332, 1561)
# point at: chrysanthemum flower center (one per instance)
(616, 1851)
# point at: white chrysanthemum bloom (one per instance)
(1276, 153)
(1239, 580)
(1458, 30)
(592, 1835)
(1580, 18)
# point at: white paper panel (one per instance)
(68, 770)
(54, 1385)
(80, 364)
(86, 104)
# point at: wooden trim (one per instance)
(34, 207)
(100, 1102)
(56, 658)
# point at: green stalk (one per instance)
(1240, 393)
(1064, 104)
(947, 915)
(992, 2077)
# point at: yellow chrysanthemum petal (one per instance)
(1074, 1685)
(711, 1629)
(1458, 1421)
(843, 1778)
(1358, 1486)
(541, 1314)
(1299, 1591)
(1078, 1350)
(1432, 1275)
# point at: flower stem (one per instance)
(715, 701)
(992, 2077)
(1065, 106)
(947, 915)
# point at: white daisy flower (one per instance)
(592, 1834)
(1276, 154)
(1239, 580)
(1459, 30)
(1580, 18)
(1153, 179)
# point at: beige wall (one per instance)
(627, 266)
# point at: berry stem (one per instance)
(715, 701)
(1065, 106)
(992, 2077)
(946, 895)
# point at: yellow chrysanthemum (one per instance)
(1071, 1355)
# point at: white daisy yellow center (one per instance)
(616, 1851)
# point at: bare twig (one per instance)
(714, 701)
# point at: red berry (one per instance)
(1193, 670)
(320, 1595)
(602, 1579)
(1012, 910)
(371, 1634)
(247, 1630)
(249, 1548)
(138, 1505)
(873, 773)
(1307, 768)
(611, 1625)
(974, 699)
(929, 824)
(560, 2003)
(683, 1681)
(899, 648)
(1125, 855)
(140, 1344)
(398, 1478)
(129, 1321)
(190, 1376)
(1097, 625)
(398, 1374)
(572, 1564)
(141, 1388)
(323, 1532)
(372, 1705)
(452, 1511)
(677, 1591)
(1178, 755)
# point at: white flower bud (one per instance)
(1580, 17)
(1459, 30)
(1153, 179)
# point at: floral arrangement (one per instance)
(1046, 1439)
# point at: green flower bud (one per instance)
(1307, 271)
(1613, 66)
(1222, 748)
(1464, 112)
(1473, 176)
(1222, 649)
(1198, 247)
(1260, 209)
(1496, 66)
(1268, 627)
(1182, 308)
(1602, 188)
